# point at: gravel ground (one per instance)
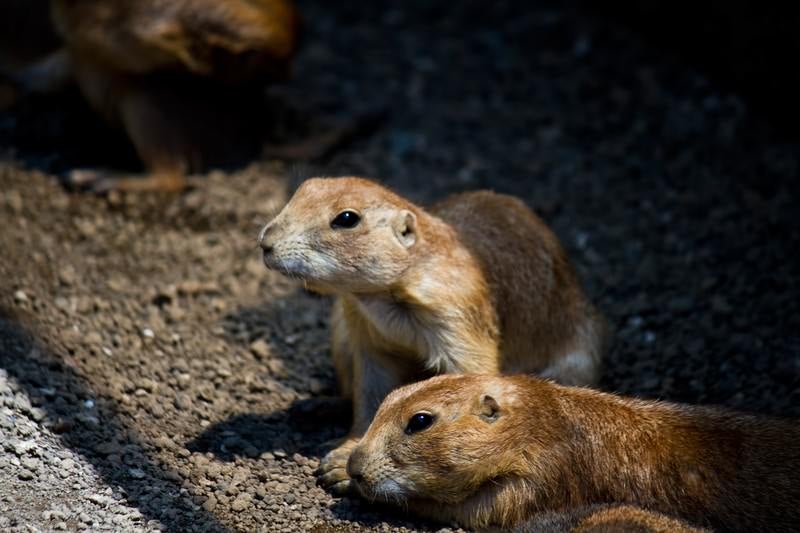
(153, 375)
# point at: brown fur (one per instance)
(175, 75)
(629, 519)
(502, 449)
(230, 40)
(476, 284)
(605, 519)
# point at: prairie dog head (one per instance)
(342, 234)
(440, 440)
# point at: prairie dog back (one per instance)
(537, 295)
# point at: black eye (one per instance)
(345, 219)
(418, 422)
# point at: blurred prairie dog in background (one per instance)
(494, 450)
(477, 283)
(171, 74)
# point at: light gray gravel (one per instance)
(47, 486)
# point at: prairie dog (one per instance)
(478, 283)
(606, 519)
(492, 450)
(181, 77)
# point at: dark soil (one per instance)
(150, 343)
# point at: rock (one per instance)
(184, 380)
(194, 287)
(210, 504)
(260, 348)
(183, 401)
(156, 410)
(147, 384)
(213, 470)
(30, 463)
(63, 304)
(14, 200)
(93, 339)
(67, 275)
(107, 448)
(21, 448)
(21, 403)
(241, 502)
(20, 297)
(165, 442)
(66, 468)
(206, 392)
(99, 499)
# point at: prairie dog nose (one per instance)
(263, 238)
(355, 464)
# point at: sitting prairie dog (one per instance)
(492, 450)
(477, 283)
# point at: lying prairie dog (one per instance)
(492, 450)
(477, 283)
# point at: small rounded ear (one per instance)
(489, 408)
(405, 228)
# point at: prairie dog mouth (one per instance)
(293, 267)
(386, 490)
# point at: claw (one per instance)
(332, 477)
(101, 182)
(341, 489)
(84, 179)
(332, 472)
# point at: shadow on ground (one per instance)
(150, 486)
(252, 434)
